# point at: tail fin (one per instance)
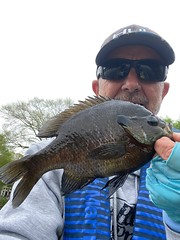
(14, 171)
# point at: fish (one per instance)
(95, 138)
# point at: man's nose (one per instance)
(131, 83)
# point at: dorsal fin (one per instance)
(50, 128)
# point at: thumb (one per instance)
(163, 147)
(176, 136)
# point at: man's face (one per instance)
(131, 88)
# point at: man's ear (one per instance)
(165, 90)
(95, 86)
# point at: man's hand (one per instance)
(164, 145)
(163, 177)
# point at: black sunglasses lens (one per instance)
(151, 71)
(115, 69)
(116, 73)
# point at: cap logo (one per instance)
(128, 30)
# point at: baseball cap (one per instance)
(136, 35)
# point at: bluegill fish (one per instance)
(96, 138)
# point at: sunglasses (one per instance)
(147, 70)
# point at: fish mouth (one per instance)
(168, 131)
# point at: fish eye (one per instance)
(152, 120)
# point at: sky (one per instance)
(48, 48)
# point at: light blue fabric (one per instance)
(163, 183)
(173, 161)
(174, 225)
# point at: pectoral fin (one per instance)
(110, 150)
(70, 183)
(115, 183)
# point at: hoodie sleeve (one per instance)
(173, 231)
(41, 215)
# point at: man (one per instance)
(132, 65)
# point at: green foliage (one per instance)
(3, 201)
(6, 154)
(174, 123)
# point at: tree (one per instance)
(24, 119)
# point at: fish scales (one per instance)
(98, 137)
